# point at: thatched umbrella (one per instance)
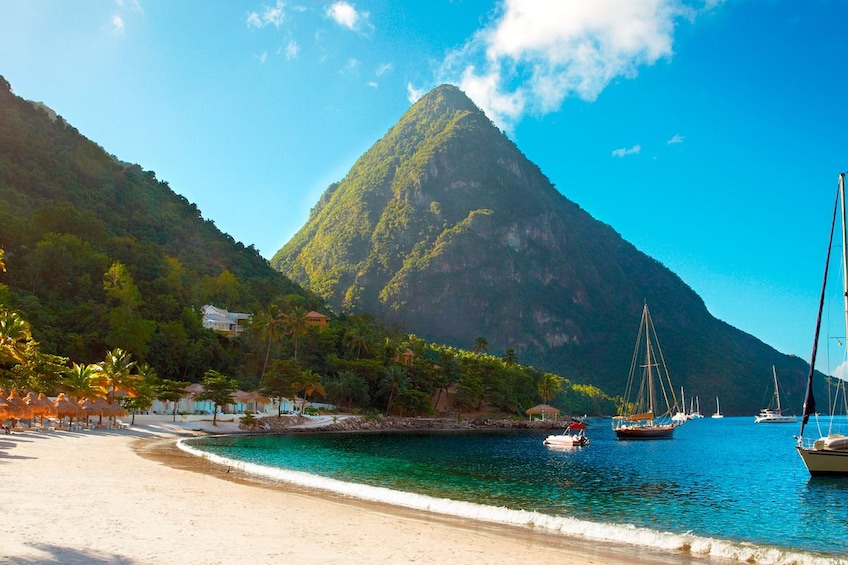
(118, 411)
(66, 407)
(17, 407)
(5, 411)
(39, 405)
(89, 407)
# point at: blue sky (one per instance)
(707, 133)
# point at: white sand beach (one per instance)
(131, 497)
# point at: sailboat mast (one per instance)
(648, 362)
(776, 393)
(809, 398)
(844, 250)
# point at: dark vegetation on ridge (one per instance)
(445, 228)
(100, 259)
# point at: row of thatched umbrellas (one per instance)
(16, 407)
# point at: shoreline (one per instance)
(132, 496)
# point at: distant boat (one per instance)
(718, 413)
(573, 436)
(696, 413)
(773, 414)
(827, 455)
(647, 384)
(681, 415)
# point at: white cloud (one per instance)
(383, 69)
(263, 57)
(413, 94)
(636, 149)
(269, 16)
(372, 84)
(344, 14)
(676, 139)
(537, 53)
(292, 50)
(131, 5)
(117, 24)
(841, 372)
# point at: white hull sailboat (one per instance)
(640, 415)
(681, 416)
(717, 413)
(773, 414)
(828, 454)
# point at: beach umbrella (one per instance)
(39, 405)
(117, 410)
(66, 407)
(17, 407)
(88, 407)
(5, 411)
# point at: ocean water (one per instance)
(724, 488)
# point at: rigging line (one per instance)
(809, 399)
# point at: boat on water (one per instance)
(717, 413)
(827, 454)
(681, 415)
(695, 411)
(641, 416)
(573, 436)
(773, 413)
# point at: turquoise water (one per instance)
(727, 487)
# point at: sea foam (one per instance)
(699, 546)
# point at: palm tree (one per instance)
(549, 385)
(14, 334)
(271, 325)
(298, 325)
(310, 383)
(348, 386)
(357, 341)
(509, 357)
(115, 373)
(481, 345)
(393, 381)
(81, 381)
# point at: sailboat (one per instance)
(773, 414)
(648, 383)
(827, 455)
(681, 415)
(717, 413)
(696, 413)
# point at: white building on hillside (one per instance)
(220, 320)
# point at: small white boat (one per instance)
(718, 413)
(773, 414)
(573, 436)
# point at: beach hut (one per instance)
(545, 411)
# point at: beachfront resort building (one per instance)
(220, 320)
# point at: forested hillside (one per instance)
(103, 267)
(101, 254)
